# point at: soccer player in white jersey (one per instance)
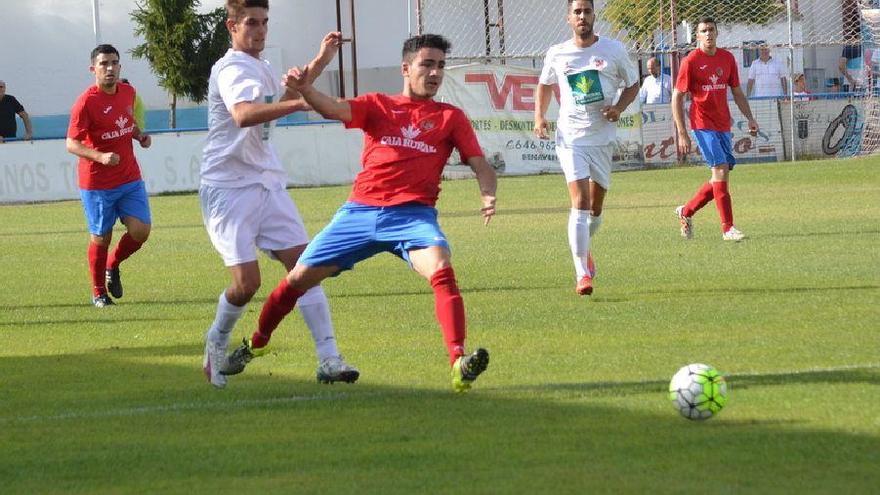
(245, 204)
(589, 70)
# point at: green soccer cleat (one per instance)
(466, 369)
(241, 356)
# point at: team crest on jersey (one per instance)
(719, 71)
(427, 125)
(599, 63)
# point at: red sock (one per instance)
(724, 205)
(97, 265)
(126, 247)
(279, 303)
(450, 311)
(701, 199)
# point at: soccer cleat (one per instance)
(584, 287)
(114, 284)
(687, 225)
(334, 369)
(733, 234)
(591, 265)
(215, 359)
(466, 369)
(241, 356)
(102, 301)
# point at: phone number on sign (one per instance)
(529, 144)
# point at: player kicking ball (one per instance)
(407, 141)
(706, 73)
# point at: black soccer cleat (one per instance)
(114, 283)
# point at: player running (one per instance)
(407, 141)
(589, 70)
(245, 203)
(706, 73)
(102, 127)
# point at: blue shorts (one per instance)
(358, 232)
(716, 147)
(103, 206)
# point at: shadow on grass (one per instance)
(136, 420)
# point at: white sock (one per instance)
(579, 239)
(316, 313)
(224, 321)
(594, 222)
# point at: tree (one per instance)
(642, 18)
(181, 45)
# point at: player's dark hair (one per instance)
(416, 43)
(707, 20)
(592, 3)
(235, 8)
(105, 49)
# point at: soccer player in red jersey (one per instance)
(102, 127)
(407, 141)
(706, 73)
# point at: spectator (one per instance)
(854, 65)
(657, 87)
(9, 106)
(767, 76)
(800, 88)
(832, 86)
(139, 109)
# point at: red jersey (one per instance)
(406, 145)
(707, 78)
(105, 123)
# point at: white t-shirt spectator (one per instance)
(767, 76)
(236, 156)
(656, 90)
(588, 80)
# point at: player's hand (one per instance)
(611, 113)
(541, 127)
(296, 79)
(684, 144)
(488, 209)
(145, 140)
(753, 127)
(109, 159)
(329, 46)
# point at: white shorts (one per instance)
(240, 220)
(586, 162)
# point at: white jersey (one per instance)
(236, 156)
(767, 76)
(588, 80)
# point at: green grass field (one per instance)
(114, 400)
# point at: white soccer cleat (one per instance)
(213, 362)
(334, 369)
(733, 234)
(687, 224)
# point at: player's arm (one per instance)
(542, 103)
(612, 112)
(79, 149)
(329, 107)
(249, 113)
(488, 182)
(28, 129)
(684, 139)
(743, 104)
(329, 46)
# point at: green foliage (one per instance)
(642, 18)
(574, 400)
(180, 44)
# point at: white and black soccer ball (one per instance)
(698, 391)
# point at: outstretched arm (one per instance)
(329, 46)
(488, 183)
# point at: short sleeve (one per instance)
(463, 136)
(628, 72)
(753, 70)
(78, 128)
(734, 71)
(361, 108)
(683, 81)
(17, 105)
(548, 73)
(237, 84)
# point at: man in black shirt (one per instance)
(9, 106)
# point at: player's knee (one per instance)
(140, 235)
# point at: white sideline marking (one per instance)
(180, 406)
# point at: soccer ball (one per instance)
(698, 391)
